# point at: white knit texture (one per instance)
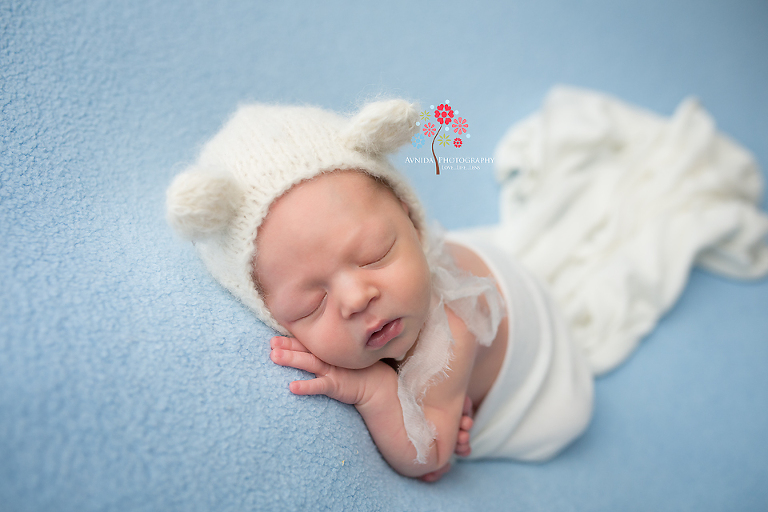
(202, 203)
(378, 128)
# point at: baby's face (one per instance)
(343, 269)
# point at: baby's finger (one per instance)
(324, 386)
(299, 360)
(463, 451)
(287, 343)
(467, 409)
(305, 387)
(316, 386)
(466, 423)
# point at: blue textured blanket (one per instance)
(130, 381)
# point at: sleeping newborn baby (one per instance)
(298, 213)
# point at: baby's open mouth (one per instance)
(384, 335)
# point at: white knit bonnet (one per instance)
(261, 152)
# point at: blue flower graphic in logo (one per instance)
(417, 140)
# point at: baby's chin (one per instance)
(406, 351)
(401, 357)
(397, 362)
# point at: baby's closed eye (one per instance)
(381, 255)
(314, 307)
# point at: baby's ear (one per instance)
(382, 127)
(201, 202)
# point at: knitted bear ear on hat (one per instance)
(201, 203)
(382, 127)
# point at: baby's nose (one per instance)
(356, 294)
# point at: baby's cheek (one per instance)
(315, 340)
(425, 276)
(418, 282)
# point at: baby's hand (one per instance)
(462, 442)
(342, 384)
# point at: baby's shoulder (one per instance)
(466, 259)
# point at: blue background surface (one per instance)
(130, 381)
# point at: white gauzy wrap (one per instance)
(611, 206)
(460, 291)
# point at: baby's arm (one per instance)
(462, 442)
(373, 391)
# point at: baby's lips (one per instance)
(388, 331)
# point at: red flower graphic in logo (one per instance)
(460, 125)
(457, 142)
(443, 114)
(429, 129)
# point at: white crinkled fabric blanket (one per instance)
(612, 205)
